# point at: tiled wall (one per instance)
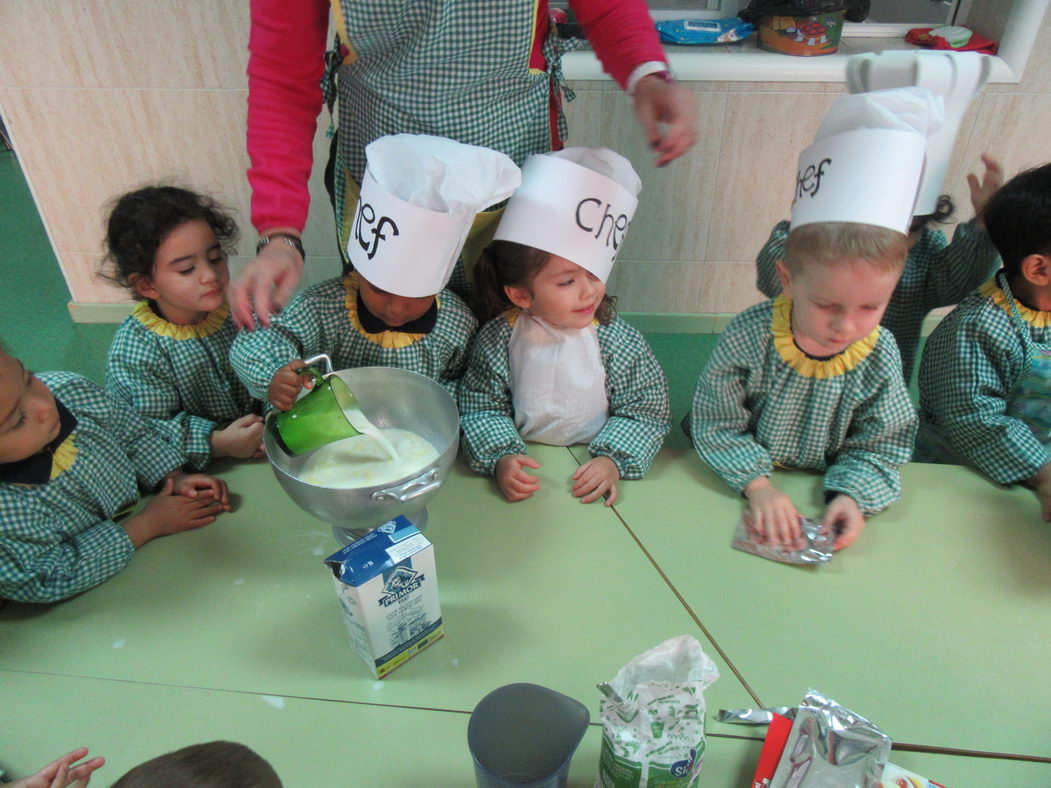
(101, 97)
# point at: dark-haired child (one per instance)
(418, 200)
(170, 358)
(72, 459)
(554, 364)
(213, 764)
(937, 273)
(984, 380)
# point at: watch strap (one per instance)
(291, 240)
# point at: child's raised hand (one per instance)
(61, 773)
(844, 518)
(772, 514)
(595, 478)
(285, 385)
(169, 513)
(511, 476)
(241, 438)
(992, 180)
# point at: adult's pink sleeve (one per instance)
(286, 47)
(622, 34)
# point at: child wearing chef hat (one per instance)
(418, 199)
(555, 364)
(937, 273)
(810, 380)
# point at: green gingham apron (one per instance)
(451, 69)
(1030, 399)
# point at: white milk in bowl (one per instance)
(361, 462)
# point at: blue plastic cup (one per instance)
(525, 734)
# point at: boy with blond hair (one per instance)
(809, 379)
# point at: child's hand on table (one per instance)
(981, 191)
(773, 515)
(62, 773)
(511, 476)
(595, 478)
(843, 517)
(183, 503)
(241, 438)
(285, 385)
(198, 485)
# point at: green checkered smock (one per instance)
(456, 70)
(971, 362)
(179, 376)
(937, 273)
(324, 319)
(58, 538)
(635, 386)
(762, 402)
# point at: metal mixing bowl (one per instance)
(389, 397)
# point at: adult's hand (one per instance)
(667, 113)
(266, 283)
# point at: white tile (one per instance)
(124, 44)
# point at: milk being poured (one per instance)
(365, 427)
(361, 462)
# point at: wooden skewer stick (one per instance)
(902, 746)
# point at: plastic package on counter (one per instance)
(779, 719)
(817, 548)
(704, 31)
(653, 717)
(831, 747)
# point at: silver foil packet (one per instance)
(817, 547)
(755, 716)
(831, 747)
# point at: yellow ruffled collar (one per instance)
(158, 325)
(392, 340)
(842, 362)
(64, 456)
(1033, 317)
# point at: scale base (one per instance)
(347, 535)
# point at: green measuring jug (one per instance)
(319, 417)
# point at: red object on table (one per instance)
(773, 746)
(978, 43)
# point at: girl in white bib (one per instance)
(555, 365)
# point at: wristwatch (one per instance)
(291, 240)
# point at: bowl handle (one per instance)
(413, 488)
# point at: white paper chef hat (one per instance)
(867, 159)
(955, 76)
(419, 196)
(575, 203)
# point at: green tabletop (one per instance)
(314, 742)
(934, 624)
(548, 591)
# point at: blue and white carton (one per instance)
(388, 589)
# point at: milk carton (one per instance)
(388, 589)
